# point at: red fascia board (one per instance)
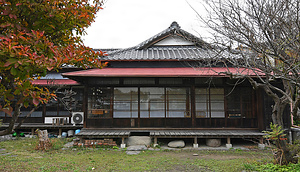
(45, 82)
(158, 72)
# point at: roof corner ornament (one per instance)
(174, 25)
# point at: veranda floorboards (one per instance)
(176, 133)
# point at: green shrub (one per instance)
(296, 120)
(280, 168)
(270, 167)
(250, 167)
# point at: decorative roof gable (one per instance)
(173, 31)
(173, 40)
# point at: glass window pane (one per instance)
(157, 105)
(125, 102)
(152, 90)
(176, 90)
(215, 107)
(217, 102)
(203, 91)
(152, 102)
(52, 107)
(157, 114)
(215, 114)
(99, 102)
(79, 99)
(125, 114)
(178, 105)
(239, 103)
(201, 103)
(144, 114)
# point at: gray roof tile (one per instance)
(159, 53)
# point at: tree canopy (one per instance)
(39, 36)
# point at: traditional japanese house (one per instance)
(160, 87)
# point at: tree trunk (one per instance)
(13, 120)
(44, 141)
(283, 155)
(277, 112)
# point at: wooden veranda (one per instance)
(87, 133)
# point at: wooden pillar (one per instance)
(123, 140)
(111, 107)
(32, 131)
(228, 140)
(260, 110)
(193, 106)
(195, 145)
(155, 141)
(209, 107)
(165, 106)
(44, 112)
(225, 105)
(123, 145)
(59, 131)
(139, 106)
(228, 145)
(85, 105)
(261, 144)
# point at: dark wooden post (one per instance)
(139, 106)
(44, 112)
(209, 107)
(228, 140)
(226, 105)
(155, 141)
(111, 100)
(166, 106)
(85, 104)
(259, 109)
(193, 106)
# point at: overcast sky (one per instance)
(126, 23)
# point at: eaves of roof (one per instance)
(159, 72)
(56, 82)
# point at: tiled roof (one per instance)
(148, 51)
(160, 53)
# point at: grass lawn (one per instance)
(20, 155)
